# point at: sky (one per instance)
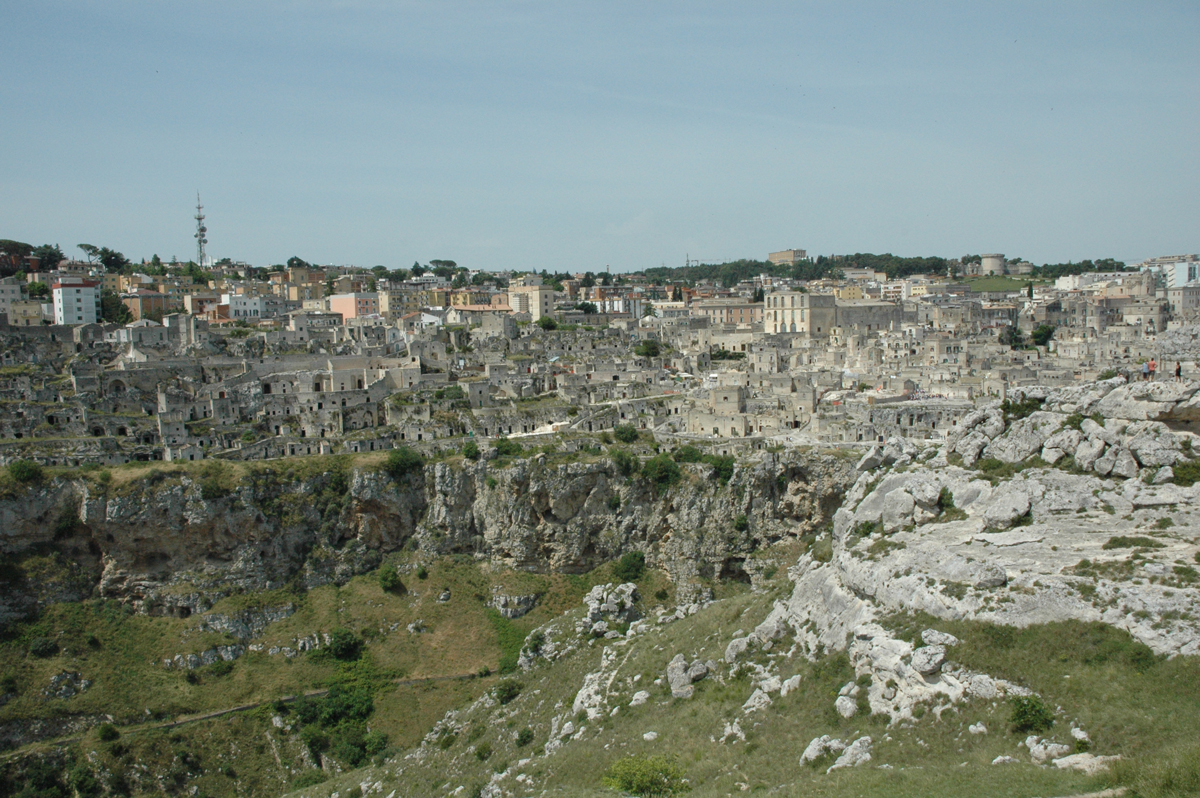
(583, 136)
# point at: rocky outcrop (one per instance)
(167, 544)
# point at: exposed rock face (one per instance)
(159, 531)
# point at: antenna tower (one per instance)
(201, 232)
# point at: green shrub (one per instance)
(221, 667)
(507, 691)
(483, 751)
(403, 461)
(688, 454)
(25, 471)
(491, 483)
(345, 645)
(84, 783)
(374, 742)
(1074, 421)
(822, 550)
(741, 523)
(1029, 713)
(1130, 542)
(524, 737)
(630, 567)
(625, 461)
(507, 448)
(43, 647)
(625, 433)
(1187, 473)
(646, 776)
(211, 490)
(722, 467)
(614, 502)
(106, 733)
(661, 470)
(648, 348)
(309, 778)
(470, 450)
(422, 572)
(1107, 374)
(389, 580)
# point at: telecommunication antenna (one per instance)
(201, 232)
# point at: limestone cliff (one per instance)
(172, 542)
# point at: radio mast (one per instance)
(201, 232)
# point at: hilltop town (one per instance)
(108, 362)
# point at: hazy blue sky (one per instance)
(570, 136)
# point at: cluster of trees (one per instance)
(1054, 270)
(894, 266)
(14, 253)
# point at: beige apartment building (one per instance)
(729, 311)
(787, 257)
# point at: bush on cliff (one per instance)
(25, 471)
(403, 461)
(661, 470)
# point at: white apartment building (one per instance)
(76, 301)
(244, 307)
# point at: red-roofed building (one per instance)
(76, 301)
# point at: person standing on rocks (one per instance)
(1153, 367)
(1178, 372)
(1145, 371)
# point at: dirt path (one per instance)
(135, 728)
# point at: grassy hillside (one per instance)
(1131, 703)
(374, 724)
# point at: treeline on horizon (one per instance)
(12, 254)
(896, 267)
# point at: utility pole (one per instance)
(201, 232)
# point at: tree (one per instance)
(587, 307)
(1029, 290)
(588, 281)
(112, 260)
(677, 294)
(297, 263)
(1011, 336)
(759, 295)
(648, 348)
(48, 256)
(345, 645)
(649, 310)
(38, 290)
(113, 309)
(547, 323)
(1042, 335)
(12, 256)
(625, 433)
